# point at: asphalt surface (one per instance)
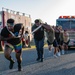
(63, 65)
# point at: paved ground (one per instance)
(63, 65)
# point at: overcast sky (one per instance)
(47, 10)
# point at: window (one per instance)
(66, 24)
(73, 24)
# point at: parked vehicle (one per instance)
(68, 23)
(71, 44)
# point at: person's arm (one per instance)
(33, 27)
(48, 27)
(5, 39)
(22, 31)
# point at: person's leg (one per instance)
(62, 47)
(23, 44)
(7, 54)
(63, 50)
(37, 48)
(59, 47)
(41, 45)
(66, 47)
(49, 46)
(29, 42)
(55, 45)
(18, 50)
(19, 60)
(67, 44)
